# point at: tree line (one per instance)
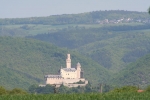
(82, 18)
(48, 89)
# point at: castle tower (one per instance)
(68, 61)
(78, 70)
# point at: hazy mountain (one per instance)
(82, 18)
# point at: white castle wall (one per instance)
(54, 81)
(78, 70)
(62, 81)
(76, 85)
(68, 81)
(71, 75)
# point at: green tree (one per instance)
(148, 89)
(41, 90)
(17, 91)
(64, 89)
(2, 91)
(125, 89)
(32, 88)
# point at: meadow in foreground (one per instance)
(86, 96)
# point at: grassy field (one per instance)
(91, 96)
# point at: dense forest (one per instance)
(130, 42)
(104, 42)
(24, 62)
(136, 73)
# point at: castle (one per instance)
(68, 76)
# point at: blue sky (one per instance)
(37, 8)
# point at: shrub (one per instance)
(148, 89)
(17, 91)
(125, 89)
(2, 90)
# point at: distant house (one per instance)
(140, 91)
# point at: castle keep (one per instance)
(67, 76)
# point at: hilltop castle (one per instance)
(68, 76)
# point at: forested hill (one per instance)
(111, 46)
(137, 73)
(24, 62)
(83, 18)
(107, 42)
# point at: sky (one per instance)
(39, 8)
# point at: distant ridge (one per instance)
(82, 18)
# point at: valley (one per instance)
(33, 47)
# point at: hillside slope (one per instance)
(111, 46)
(24, 62)
(137, 73)
(116, 52)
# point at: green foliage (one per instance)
(80, 82)
(148, 89)
(62, 89)
(32, 88)
(82, 96)
(125, 89)
(136, 73)
(26, 61)
(45, 90)
(17, 91)
(14, 91)
(111, 46)
(2, 90)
